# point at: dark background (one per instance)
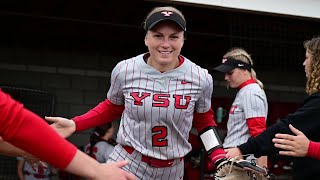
(67, 49)
(114, 28)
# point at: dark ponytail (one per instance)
(98, 132)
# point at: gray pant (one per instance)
(142, 170)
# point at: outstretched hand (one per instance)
(292, 145)
(113, 171)
(62, 126)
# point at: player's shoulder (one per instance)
(131, 60)
(198, 74)
(252, 90)
(129, 63)
(315, 96)
(101, 145)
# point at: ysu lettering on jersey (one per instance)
(161, 100)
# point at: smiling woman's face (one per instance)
(164, 43)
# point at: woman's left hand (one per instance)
(292, 145)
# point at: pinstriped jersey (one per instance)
(159, 106)
(100, 151)
(35, 169)
(250, 102)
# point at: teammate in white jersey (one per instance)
(249, 110)
(159, 95)
(101, 143)
(26, 171)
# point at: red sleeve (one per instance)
(104, 112)
(314, 150)
(256, 125)
(217, 154)
(31, 133)
(203, 120)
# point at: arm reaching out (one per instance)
(24, 129)
(292, 145)
(86, 166)
(94, 117)
(10, 150)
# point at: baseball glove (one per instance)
(233, 169)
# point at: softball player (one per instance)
(101, 143)
(249, 110)
(306, 119)
(26, 171)
(160, 95)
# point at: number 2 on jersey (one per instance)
(159, 136)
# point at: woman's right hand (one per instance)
(63, 126)
(113, 171)
(233, 153)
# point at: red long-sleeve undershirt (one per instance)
(314, 150)
(256, 125)
(31, 133)
(103, 113)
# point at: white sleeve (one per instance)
(204, 102)
(115, 94)
(254, 105)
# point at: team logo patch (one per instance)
(232, 109)
(224, 60)
(166, 13)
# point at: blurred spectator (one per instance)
(26, 171)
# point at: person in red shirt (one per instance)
(24, 129)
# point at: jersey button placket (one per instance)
(162, 83)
